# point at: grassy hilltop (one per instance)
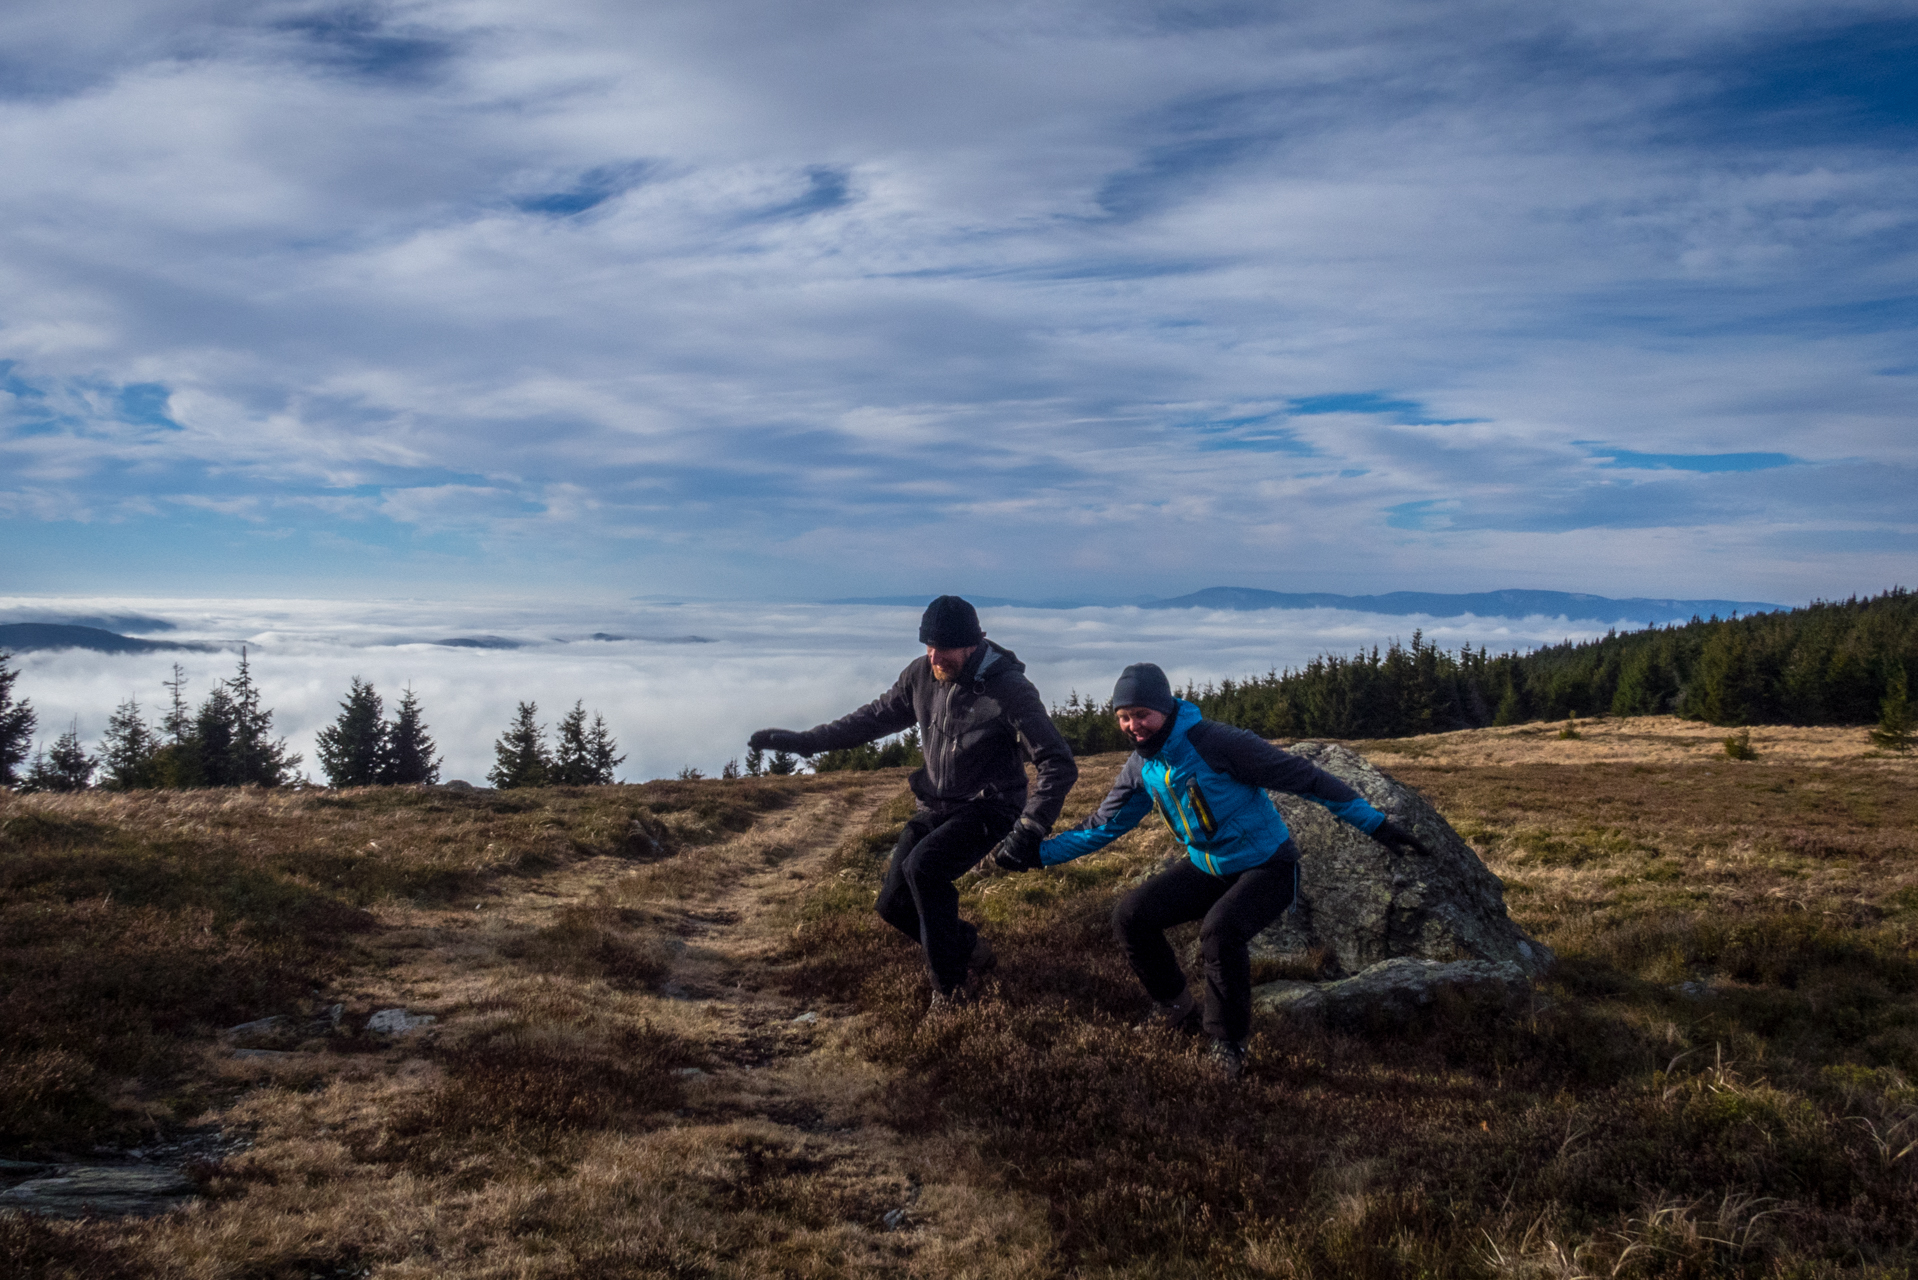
(624, 1081)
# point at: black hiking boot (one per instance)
(1178, 1016)
(982, 961)
(1227, 1058)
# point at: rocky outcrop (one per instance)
(1391, 930)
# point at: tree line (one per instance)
(228, 742)
(1843, 662)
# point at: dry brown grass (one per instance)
(1718, 1081)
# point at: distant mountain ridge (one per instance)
(27, 637)
(1483, 604)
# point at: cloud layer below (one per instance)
(670, 703)
(822, 298)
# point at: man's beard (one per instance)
(944, 675)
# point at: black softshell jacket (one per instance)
(977, 731)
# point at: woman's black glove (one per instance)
(1399, 840)
(779, 740)
(1020, 850)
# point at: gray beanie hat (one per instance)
(1143, 685)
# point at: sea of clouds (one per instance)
(687, 682)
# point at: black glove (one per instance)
(1399, 840)
(779, 740)
(1020, 850)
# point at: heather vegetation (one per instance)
(1839, 663)
(674, 1040)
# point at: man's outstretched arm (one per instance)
(890, 712)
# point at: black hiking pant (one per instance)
(1234, 908)
(918, 898)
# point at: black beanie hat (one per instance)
(950, 623)
(1143, 685)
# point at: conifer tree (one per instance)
(176, 762)
(178, 724)
(209, 746)
(571, 767)
(520, 754)
(65, 766)
(586, 756)
(410, 754)
(256, 758)
(755, 762)
(17, 722)
(353, 749)
(1895, 731)
(600, 749)
(782, 763)
(129, 750)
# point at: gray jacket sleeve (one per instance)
(891, 712)
(1041, 742)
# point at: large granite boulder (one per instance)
(1361, 905)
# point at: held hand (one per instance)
(777, 740)
(1020, 850)
(1399, 840)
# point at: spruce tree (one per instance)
(17, 722)
(353, 749)
(176, 762)
(178, 724)
(256, 758)
(782, 763)
(571, 765)
(600, 749)
(587, 756)
(521, 757)
(755, 762)
(209, 745)
(410, 754)
(129, 751)
(65, 766)
(1895, 731)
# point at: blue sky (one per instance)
(798, 300)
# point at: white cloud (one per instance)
(774, 290)
(670, 704)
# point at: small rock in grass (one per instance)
(808, 1016)
(258, 1027)
(398, 1022)
(96, 1192)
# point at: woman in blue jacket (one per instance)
(1242, 868)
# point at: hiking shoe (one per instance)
(1227, 1058)
(982, 961)
(947, 1002)
(1179, 1015)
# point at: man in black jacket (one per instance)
(979, 720)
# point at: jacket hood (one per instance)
(991, 662)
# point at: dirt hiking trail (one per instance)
(780, 1114)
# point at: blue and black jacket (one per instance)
(1210, 781)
